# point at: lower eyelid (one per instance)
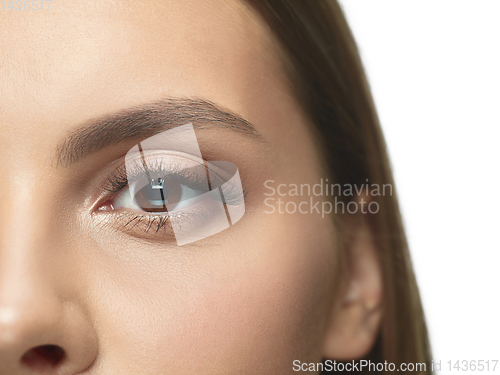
(161, 229)
(125, 219)
(181, 227)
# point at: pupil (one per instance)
(153, 196)
(157, 196)
(157, 183)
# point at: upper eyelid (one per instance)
(158, 156)
(138, 163)
(139, 166)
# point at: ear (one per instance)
(355, 321)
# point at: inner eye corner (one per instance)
(104, 205)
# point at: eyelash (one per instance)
(121, 177)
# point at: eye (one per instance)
(156, 195)
(185, 198)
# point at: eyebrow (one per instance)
(145, 121)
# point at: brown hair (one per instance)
(325, 72)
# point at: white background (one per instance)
(433, 66)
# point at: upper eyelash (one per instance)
(119, 179)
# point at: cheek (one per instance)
(245, 309)
(268, 310)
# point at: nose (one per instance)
(41, 332)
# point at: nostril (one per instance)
(43, 357)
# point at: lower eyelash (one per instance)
(157, 222)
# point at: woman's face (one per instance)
(127, 299)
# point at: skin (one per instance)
(251, 299)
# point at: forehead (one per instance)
(69, 60)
